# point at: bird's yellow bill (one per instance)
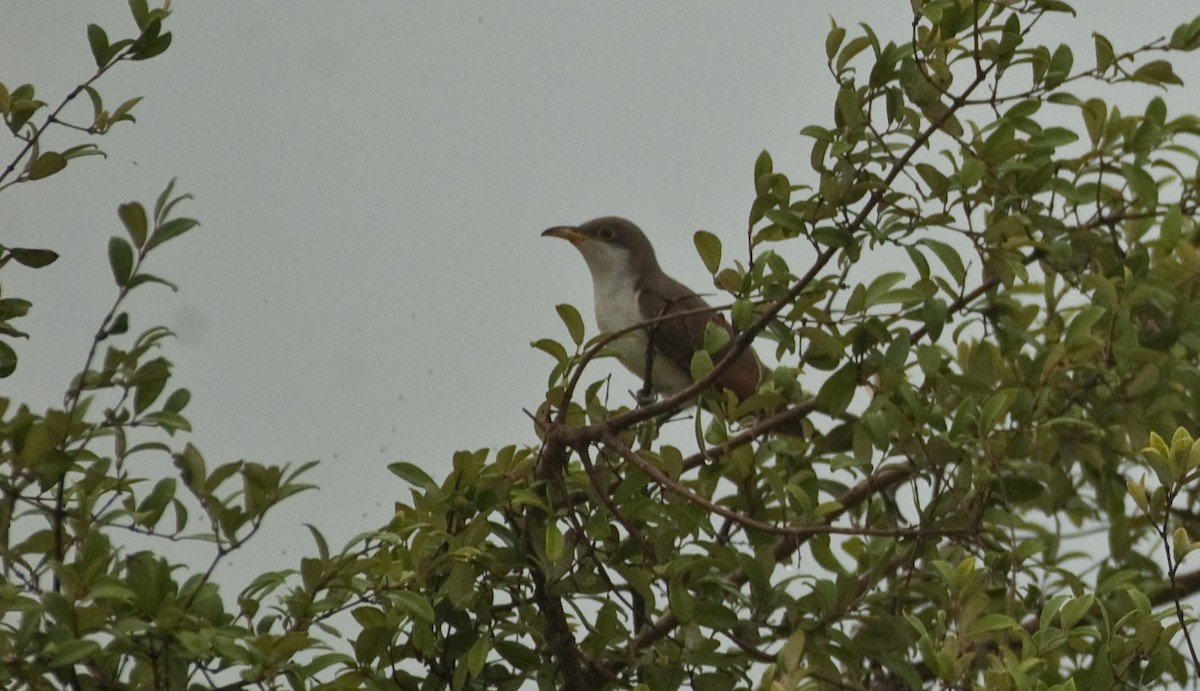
(568, 233)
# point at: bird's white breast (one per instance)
(616, 295)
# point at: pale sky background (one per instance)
(371, 179)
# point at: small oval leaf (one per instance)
(133, 215)
(120, 258)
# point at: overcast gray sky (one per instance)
(371, 179)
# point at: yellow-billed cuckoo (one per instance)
(630, 288)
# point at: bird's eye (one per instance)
(606, 234)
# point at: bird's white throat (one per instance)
(614, 286)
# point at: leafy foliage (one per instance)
(1003, 391)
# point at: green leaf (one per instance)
(1141, 183)
(161, 205)
(151, 508)
(412, 474)
(156, 47)
(168, 421)
(1073, 611)
(46, 165)
(120, 258)
(554, 542)
(8, 360)
(478, 654)
(880, 285)
(832, 236)
(762, 165)
(993, 621)
(552, 348)
(118, 325)
(681, 602)
(833, 40)
(11, 308)
(98, 41)
(716, 336)
(140, 12)
(788, 219)
(177, 401)
(574, 323)
(133, 215)
(414, 604)
(33, 258)
(149, 380)
(701, 365)
(171, 229)
(949, 258)
(141, 278)
(709, 247)
(1106, 57)
(122, 111)
(853, 48)
(70, 652)
(1095, 116)
(838, 390)
(1082, 324)
(1156, 72)
(1060, 65)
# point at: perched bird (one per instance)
(630, 288)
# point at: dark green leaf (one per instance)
(118, 326)
(11, 308)
(151, 278)
(98, 40)
(832, 236)
(163, 204)
(177, 401)
(149, 380)
(156, 47)
(33, 258)
(1105, 55)
(133, 215)
(681, 602)
(8, 360)
(72, 651)
(120, 258)
(140, 12)
(171, 229)
(838, 390)
(762, 165)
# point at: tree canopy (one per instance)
(983, 292)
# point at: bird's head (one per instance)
(609, 245)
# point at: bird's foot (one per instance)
(644, 397)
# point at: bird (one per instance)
(629, 288)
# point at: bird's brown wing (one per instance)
(678, 339)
